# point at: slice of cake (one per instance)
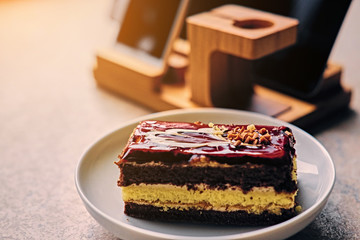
(210, 173)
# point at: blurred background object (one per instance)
(294, 82)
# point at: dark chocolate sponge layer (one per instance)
(240, 218)
(245, 176)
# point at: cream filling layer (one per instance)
(167, 196)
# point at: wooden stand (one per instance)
(213, 69)
(130, 78)
(223, 44)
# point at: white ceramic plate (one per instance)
(96, 176)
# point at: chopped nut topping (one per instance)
(262, 131)
(250, 135)
(251, 127)
(137, 139)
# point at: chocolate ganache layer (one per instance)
(173, 142)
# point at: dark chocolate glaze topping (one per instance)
(180, 142)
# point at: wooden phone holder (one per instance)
(223, 44)
(216, 63)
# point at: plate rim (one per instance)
(308, 213)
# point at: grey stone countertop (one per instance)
(52, 110)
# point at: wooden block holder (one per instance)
(214, 69)
(129, 78)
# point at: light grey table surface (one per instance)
(52, 110)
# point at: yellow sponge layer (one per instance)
(201, 197)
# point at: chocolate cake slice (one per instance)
(209, 173)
